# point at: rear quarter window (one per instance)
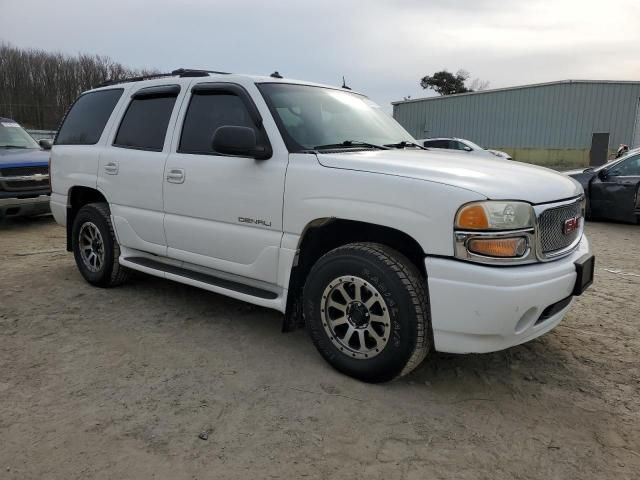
(85, 121)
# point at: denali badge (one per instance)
(255, 221)
(571, 225)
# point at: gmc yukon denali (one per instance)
(310, 200)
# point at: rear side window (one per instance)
(208, 111)
(85, 121)
(144, 125)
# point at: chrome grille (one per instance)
(24, 178)
(551, 227)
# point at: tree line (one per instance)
(37, 87)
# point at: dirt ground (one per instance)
(119, 383)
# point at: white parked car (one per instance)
(460, 144)
(312, 201)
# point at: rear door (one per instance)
(132, 167)
(224, 212)
(613, 194)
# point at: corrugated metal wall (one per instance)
(561, 115)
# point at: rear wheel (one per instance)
(366, 308)
(95, 248)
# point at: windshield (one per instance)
(13, 135)
(309, 117)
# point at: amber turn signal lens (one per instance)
(502, 247)
(472, 217)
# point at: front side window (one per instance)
(209, 110)
(628, 168)
(13, 135)
(144, 125)
(310, 116)
(85, 121)
(455, 145)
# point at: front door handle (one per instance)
(111, 168)
(176, 175)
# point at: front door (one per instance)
(224, 212)
(132, 165)
(613, 192)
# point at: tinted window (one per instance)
(207, 112)
(145, 122)
(457, 145)
(437, 143)
(85, 122)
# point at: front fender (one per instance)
(422, 209)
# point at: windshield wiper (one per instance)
(13, 146)
(405, 144)
(350, 143)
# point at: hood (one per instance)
(23, 157)
(492, 178)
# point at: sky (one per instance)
(381, 47)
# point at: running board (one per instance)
(203, 278)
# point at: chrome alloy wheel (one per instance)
(91, 246)
(355, 317)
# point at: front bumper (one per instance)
(17, 207)
(477, 308)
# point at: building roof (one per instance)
(518, 87)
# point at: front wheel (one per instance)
(366, 308)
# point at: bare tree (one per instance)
(477, 85)
(37, 87)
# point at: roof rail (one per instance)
(180, 72)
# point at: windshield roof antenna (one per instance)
(275, 74)
(344, 84)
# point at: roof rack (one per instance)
(180, 72)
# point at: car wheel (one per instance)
(95, 248)
(366, 308)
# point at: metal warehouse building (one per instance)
(563, 124)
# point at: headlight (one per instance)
(492, 215)
(495, 232)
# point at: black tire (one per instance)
(110, 273)
(404, 292)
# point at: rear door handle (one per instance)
(111, 168)
(176, 175)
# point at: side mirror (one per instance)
(240, 141)
(467, 149)
(45, 144)
(603, 174)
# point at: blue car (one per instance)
(24, 172)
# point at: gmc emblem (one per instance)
(571, 225)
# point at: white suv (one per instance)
(310, 200)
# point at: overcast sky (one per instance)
(382, 47)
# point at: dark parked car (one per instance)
(24, 172)
(612, 189)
